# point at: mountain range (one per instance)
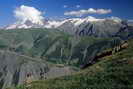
(78, 26)
(57, 48)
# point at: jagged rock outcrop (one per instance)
(14, 68)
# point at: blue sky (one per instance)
(56, 8)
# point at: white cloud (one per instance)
(88, 11)
(78, 6)
(24, 13)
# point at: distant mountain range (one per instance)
(79, 26)
(48, 23)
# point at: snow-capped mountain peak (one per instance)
(75, 22)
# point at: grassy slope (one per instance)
(113, 72)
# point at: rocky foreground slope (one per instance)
(15, 68)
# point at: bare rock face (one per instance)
(14, 69)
